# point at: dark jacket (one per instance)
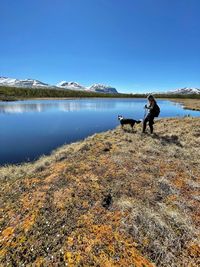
(154, 109)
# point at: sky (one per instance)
(133, 45)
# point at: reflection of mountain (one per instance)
(86, 105)
(22, 108)
(62, 106)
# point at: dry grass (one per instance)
(192, 104)
(52, 213)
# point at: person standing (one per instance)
(154, 111)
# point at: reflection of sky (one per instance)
(29, 129)
(168, 108)
(68, 105)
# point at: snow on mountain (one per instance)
(30, 83)
(71, 86)
(100, 88)
(4, 81)
(181, 91)
(185, 91)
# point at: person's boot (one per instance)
(151, 129)
(144, 127)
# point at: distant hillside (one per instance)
(181, 91)
(100, 88)
(71, 86)
(15, 93)
(185, 91)
(27, 83)
(14, 89)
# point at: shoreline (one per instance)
(60, 202)
(189, 104)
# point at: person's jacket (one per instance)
(154, 109)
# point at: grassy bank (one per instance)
(57, 210)
(192, 104)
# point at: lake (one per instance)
(29, 129)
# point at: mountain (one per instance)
(181, 91)
(29, 83)
(100, 88)
(185, 91)
(71, 86)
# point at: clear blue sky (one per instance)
(134, 45)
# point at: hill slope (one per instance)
(57, 210)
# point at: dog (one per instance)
(124, 121)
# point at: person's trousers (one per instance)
(149, 118)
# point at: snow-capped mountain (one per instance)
(100, 88)
(71, 86)
(181, 91)
(4, 81)
(30, 83)
(185, 91)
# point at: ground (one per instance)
(192, 104)
(117, 198)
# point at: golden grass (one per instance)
(193, 104)
(52, 213)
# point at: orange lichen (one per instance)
(2, 253)
(7, 232)
(60, 197)
(29, 221)
(194, 250)
(31, 200)
(31, 181)
(102, 244)
(39, 262)
(56, 214)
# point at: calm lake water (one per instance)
(29, 129)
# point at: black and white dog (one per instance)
(124, 121)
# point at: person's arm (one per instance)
(150, 107)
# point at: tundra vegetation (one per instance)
(52, 211)
(15, 93)
(191, 104)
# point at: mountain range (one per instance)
(184, 91)
(100, 88)
(30, 83)
(179, 91)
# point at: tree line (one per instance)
(15, 93)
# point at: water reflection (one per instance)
(66, 106)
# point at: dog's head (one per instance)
(120, 117)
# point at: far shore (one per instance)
(191, 104)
